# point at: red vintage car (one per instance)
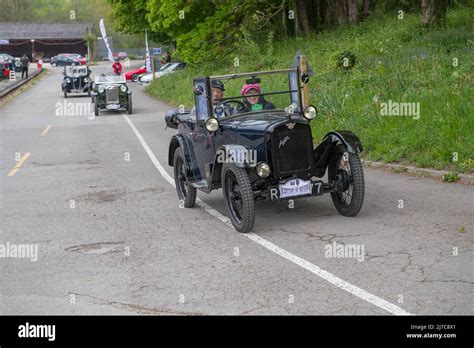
(133, 74)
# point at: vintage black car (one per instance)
(263, 152)
(111, 93)
(76, 79)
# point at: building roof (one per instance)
(27, 30)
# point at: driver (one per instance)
(252, 100)
(217, 93)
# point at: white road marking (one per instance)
(329, 277)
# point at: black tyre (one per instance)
(186, 192)
(239, 197)
(96, 108)
(54, 64)
(134, 77)
(65, 93)
(88, 92)
(130, 105)
(350, 199)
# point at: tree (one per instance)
(352, 11)
(434, 12)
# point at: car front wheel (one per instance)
(96, 108)
(186, 193)
(239, 197)
(130, 105)
(346, 169)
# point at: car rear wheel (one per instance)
(186, 193)
(347, 167)
(135, 77)
(239, 197)
(96, 108)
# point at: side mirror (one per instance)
(198, 90)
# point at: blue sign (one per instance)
(4, 42)
(156, 51)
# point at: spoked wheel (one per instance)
(239, 197)
(347, 169)
(186, 193)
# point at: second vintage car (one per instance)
(254, 149)
(111, 93)
(76, 79)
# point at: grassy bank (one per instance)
(396, 60)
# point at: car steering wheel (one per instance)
(240, 106)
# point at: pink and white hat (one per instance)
(248, 87)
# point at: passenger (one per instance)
(252, 100)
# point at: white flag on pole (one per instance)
(147, 54)
(104, 37)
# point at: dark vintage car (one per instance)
(111, 93)
(76, 79)
(263, 152)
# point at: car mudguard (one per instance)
(321, 153)
(349, 139)
(235, 153)
(192, 170)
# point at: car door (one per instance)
(203, 142)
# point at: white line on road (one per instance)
(329, 277)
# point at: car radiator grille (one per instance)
(112, 95)
(76, 83)
(292, 150)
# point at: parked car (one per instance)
(82, 60)
(266, 154)
(111, 93)
(122, 55)
(64, 60)
(166, 69)
(134, 74)
(76, 80)
(15, 60)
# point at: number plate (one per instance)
(113, 106)
(295, 187)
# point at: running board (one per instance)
(201, 185)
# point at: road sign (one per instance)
(156, 51)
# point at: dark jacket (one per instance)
(24, 62)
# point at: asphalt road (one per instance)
(112, 239)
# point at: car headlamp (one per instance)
(263, 170)
(310, 112)
(212, 124)
(101, 89)
(123, 88)
(86, 79)
(68, 80)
